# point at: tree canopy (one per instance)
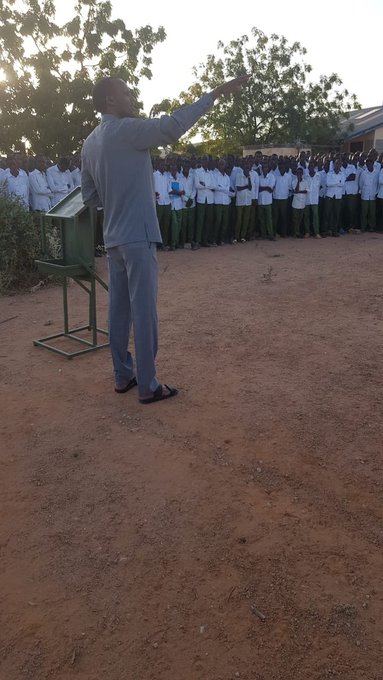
(49, 69)
(281, 103)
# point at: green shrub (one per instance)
(19, 245)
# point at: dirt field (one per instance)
(232, 532)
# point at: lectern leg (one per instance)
(65, 303)
(93, 309)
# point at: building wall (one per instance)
(362, 143)
(378, 141)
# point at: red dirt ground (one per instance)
(232, 532)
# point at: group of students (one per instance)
(39, 184)
(209, 202)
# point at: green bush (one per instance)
(19, 245)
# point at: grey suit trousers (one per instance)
(133, 285)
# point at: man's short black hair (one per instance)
(101, 90)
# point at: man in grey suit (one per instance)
(117, 174)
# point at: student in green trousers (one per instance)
(222, 197)
(265, 200)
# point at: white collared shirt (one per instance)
(161, 187)
(76, 177)
(266, 197)
(233, 175)
(334, 184)
(204, 184)
(350, 188)
(18, 186)
(323, 183)
(380, 184)
(368, 185)
(189, 188)
(299, 200)
(223, 192)
(2, 177)
(39, 191)
(283, 185)
(243, 197)
(60, 183)
(313, 184)
(175, 200)
(254, 185)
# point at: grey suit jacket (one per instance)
(117, 173)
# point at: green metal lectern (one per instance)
(76, 225)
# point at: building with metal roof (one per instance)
(363, 130)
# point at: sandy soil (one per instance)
(232, 532)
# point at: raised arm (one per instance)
(168, 129)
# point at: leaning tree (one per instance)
(48, 68)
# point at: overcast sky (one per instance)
(342, 37)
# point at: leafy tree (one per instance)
(49, 69)
(281, 103)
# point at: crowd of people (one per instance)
(211, 201)
(38, 183)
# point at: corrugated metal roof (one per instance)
(362, 121)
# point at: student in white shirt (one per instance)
(281, 193)
(350, 195)
(222, 199)
(17, 183)
(163, 207)
(335, 182)
(59, 180)
(234, 172)
(379, 201)
(2, 179)
(176, 192)
(265, 200)
(300, 188)
(243, 203)
(205, 185)
(39, 191)
(311, 216)
(323, 170)
(257, 165)
(254, 176)
(188, 203)
(368, 187)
